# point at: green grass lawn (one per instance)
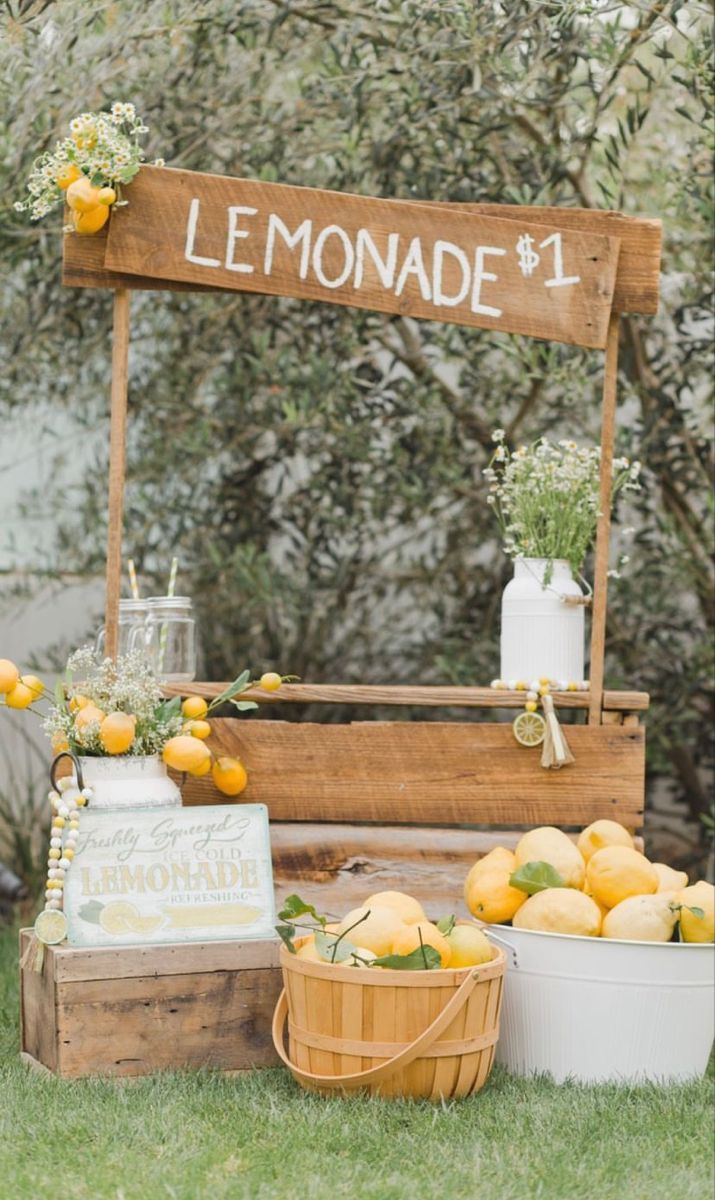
(195, 1136)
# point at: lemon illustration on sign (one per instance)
(641, 919)
(119, 917)
(551, 845)
(602, 833)
(617, 872)
(407, 908)
(560, 910)
(529, 728)
(693, 927)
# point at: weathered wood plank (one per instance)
(429, 773)
(37, 1007)
(405, 696)
(637, 275)
(382, 255)
(144, 1024)
(122, 962)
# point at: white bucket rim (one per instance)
(577, 937)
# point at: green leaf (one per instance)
(243, 705)
(286, 933)
(424, 958)
(295, 907)
(447, 924)
(60, 698)
(536, 877)
(168, 709)
(332, 948)
(695, 910)
(90, 912)
(239, 685)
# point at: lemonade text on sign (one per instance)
(388, 256)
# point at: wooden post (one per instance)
(600, 577)
(117, 467)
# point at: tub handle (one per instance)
(505, 945)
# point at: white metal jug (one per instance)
(542, 636)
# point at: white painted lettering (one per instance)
(302, 233)
(413, 265)
(385, 267)
(234, 234)
(440, 298)
(480, 276)
(191, 239)
(559, 279)
(333, 231)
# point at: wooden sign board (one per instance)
(171, 875)
(384, 255)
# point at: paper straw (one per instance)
(133, 578)
(164, 632)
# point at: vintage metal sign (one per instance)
(171, 875)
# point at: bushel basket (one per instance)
(424, 1034)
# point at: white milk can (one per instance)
(542, 636)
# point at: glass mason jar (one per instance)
(169, 638)
(132, 617)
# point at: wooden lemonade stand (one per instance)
(367, 805)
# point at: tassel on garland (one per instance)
(34, 957)
(556, 752)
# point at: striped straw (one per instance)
(164, 631)
(133, 578)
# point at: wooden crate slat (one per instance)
(70, 964)
(405, 696)
(435, 772)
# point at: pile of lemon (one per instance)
(394, 923)
(606, 888)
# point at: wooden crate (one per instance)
(355, 808)
(135, 1010)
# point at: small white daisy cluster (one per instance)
(102, 146)
(127, 685)
(546, 496)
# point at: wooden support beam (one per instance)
(117, 467)
(600, 576)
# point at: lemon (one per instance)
(602, 833)
(408, 939)
(378, 927)
(20, 696)
(551, 845)
(229, 775)
(89, 714)
(407, 908)
(560, 910)
(148, 924)
(498, 857)
(199, 729)
(118, 917)
(641, 919)
(529, 728)
(117, 732)
(83, 197)
(91, 222)
(184, 753)
(491, 897)
(469, 946)
(308, 950)
(79, 701)
(668, 879)
(67, 175)
(617, 872)
(195, 708)
(9, 675)
(361, 952)
(694, 928)
(270, 681)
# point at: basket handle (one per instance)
(386, 1069)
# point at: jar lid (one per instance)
(132, 606)
(170, 602)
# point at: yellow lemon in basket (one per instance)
(499, 857)
(692, 927)
(195, 708)
(560, 910)
(602, 833)
(117, 731)
(185, 753)
(617, 872)
(376, 926)
(408, 939)
(551, 845)
(407, 908)
(668, 879)
(641, 919)
(9, 675)
(491, 897)
(469, 946)
(361, 957)
(308, 950)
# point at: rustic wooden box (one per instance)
(135, 1010)
(355, 808)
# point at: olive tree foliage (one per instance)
(317, 469)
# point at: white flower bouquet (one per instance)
(546, 497)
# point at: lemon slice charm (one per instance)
(529, 729)
(51, 927)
